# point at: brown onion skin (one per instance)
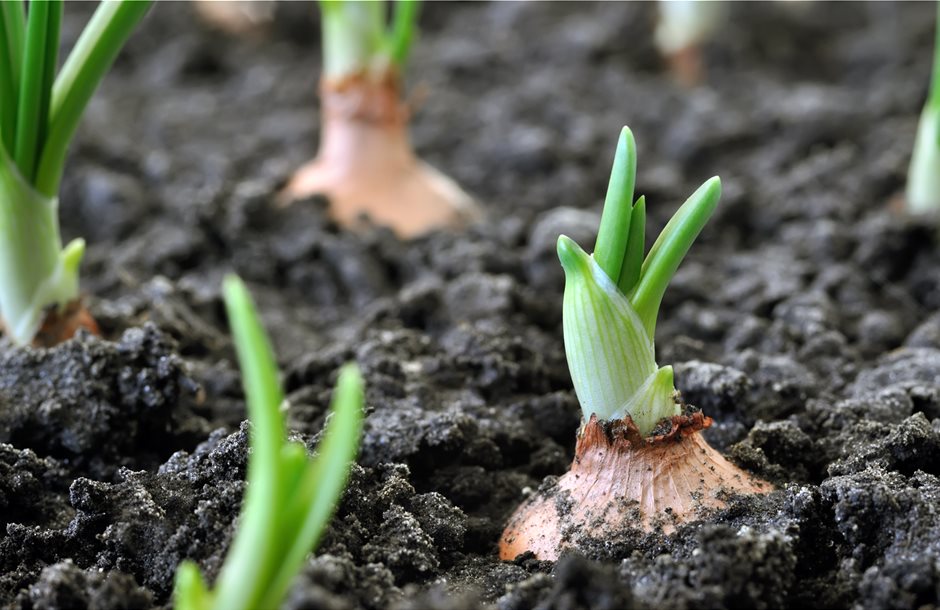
(620, 480)
(61, 324)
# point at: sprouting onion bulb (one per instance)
(612, 299)
(365, 165)
(290, 497)
(923, 178)
(39, 113)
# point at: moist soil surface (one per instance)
(804, 320)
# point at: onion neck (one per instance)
(364, 123)
(621, 481)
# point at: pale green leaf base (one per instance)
(35, 272)
(923, 178)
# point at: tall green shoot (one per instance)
(290, 497)
(39, 113)
(923, 177)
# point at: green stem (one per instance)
(14, 29)
(33, 104)
(250, 562)
(190, 591)
(50, 63)
(614, 231)
(402, 33)
(314, 501)
(353, 33)
(923, 174)
(670, 248)
(636, 242)
(289, 499)
(12, 26)
(89, 61)
(35, 272)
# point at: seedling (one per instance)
(612, 299)
(637, 447)
(290, 497)
(366, 165)
(39, 113)
(923, 177)
(684, 25)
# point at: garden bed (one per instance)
(804, 320)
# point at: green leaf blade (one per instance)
(253, 558)
(85, 67)
(13, 18)
(401, 37)
(189, 589)
(636, 242)
(611, 244)
(670, 248)
(353, 34)
(292, 469)
(33, 99)
(922, 192)
(50, 63)
(923, 175)
(12, 32)
(289, 499)
(259, 373)
(315, 500)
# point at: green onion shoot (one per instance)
(684, 25)
(39, 113)
(923, 177)
(290, 496)
(612, 299)
(357, 39)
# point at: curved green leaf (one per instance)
(670, 248)
(614, 231)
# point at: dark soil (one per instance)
(804, 321)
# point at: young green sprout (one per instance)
(290, 497)
(640, 460)
(366, 165)
(612, 299)
(683, 26)
(923, 177)
(39, 113)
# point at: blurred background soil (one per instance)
(804, 320)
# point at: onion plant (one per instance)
(923, 178)
(39, 113)
(640, 459)
(290, 497)
(366, 165)
(683, 26)
(356, 38)
(612, 299)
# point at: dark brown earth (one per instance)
(804, 321)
